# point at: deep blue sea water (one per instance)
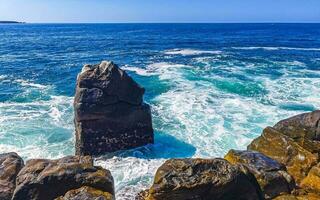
(212, 87)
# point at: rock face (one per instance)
(303, 129)
(312, 181)
(43, 179)
(86, 193)
(10, 165)
(285, 150)
(202, 179)
(109, 111)
(270, 174)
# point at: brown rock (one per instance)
(86, 193)
(304, 129)
(10, 165)
(193, 179)
(109, 111)
(270, 174)
(285, 150)
(43, 179)
(308, 196)
(312, 181)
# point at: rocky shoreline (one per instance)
(281, 164)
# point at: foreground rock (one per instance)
(188, 179)
(109, 111)
(10, 165)
(285, 150)
(270, 174)
(303, 129)
(312, 181)
(43, 179)
(86, 193)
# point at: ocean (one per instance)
(212, 87)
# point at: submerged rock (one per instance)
(86, 193)
(10, 165)
(109, 111)
(285, 150)
(43, 179)
(188, 179)
(270, 174)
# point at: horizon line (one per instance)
(262, 22)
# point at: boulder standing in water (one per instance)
(110, 114)
(10, 165)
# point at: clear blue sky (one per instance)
(160, 10)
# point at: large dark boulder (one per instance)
(10, 165)
(202, 179)
(270, 174)
(43, 179)
(110, 114)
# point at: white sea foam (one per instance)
(277, 48)
(30, 84)
(137, 70)
(2, 77)
(189, 52)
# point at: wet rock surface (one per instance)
(10, 165)
(205, 179)
(270, 174)
(43, 179)
(110, 114)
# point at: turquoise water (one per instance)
(212, 87)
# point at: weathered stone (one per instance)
(43, 179)
(308, 196)
(285, 150)
(270, 174)
(191, 179)
(304, 129)
(10, 165)
(86, 193)
(312, 181)
(109, 111)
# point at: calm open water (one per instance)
(212, 87)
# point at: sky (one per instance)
(160, 11)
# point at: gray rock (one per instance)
(10, 165)
(109, 111)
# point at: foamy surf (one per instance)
(189, 52)
(277, 48)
